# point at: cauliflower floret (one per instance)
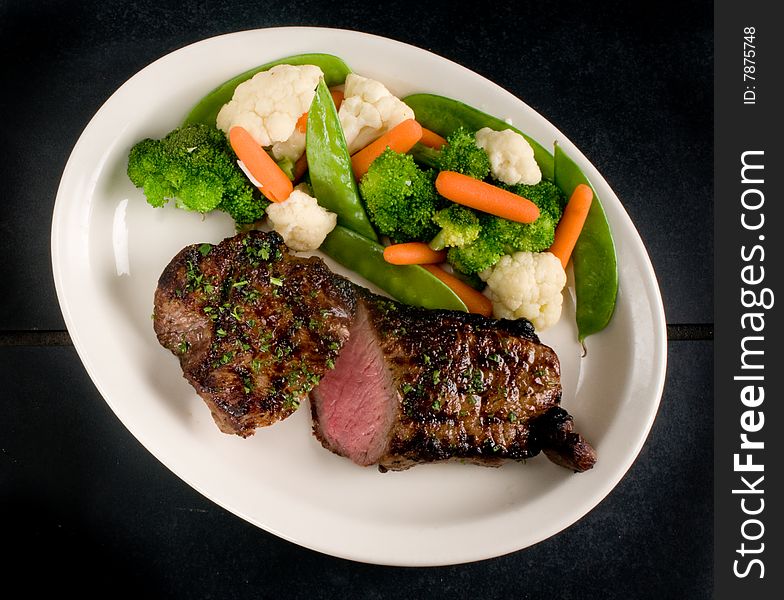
(269, 104)
(301, 222)
(368, 110)
(511, 156)
(292, 148)
(526, 285)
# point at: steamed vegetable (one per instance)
(329, 165)
(410, 284)
(511, 156)
(475, 301)
(460, 154)
(369, 110)
(459, 227)
(413, 253)
(270, 107)
(483, 196)
(274, 183)
(195, 165)
(568, 230)
(400, 198)
(498, 236)
(593, 259)
(301, 221)
(444, 115)
(431, 139)
(527, 285)
(397, 195)
(478, 255)
(206, 110)
(400, 139)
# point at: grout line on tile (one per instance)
(35, 338)
(689, 332)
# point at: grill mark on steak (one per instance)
(256, 329)
(464, 387)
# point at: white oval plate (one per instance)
(109, 247)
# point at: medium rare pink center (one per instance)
(356, 400)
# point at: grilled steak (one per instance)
(257, 330)
(413, 385)
(254, 327)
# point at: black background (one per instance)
(84, 506)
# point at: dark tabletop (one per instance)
(85, 506)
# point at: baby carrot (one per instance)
(413, 253)
(302, 123)
(475, 301)
(401, 138)
(571, 223)
(432, 139)
(473, 193)
(337, 98)
(275, 185)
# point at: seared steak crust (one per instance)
(470, 387)
(254, 327)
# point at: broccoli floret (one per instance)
(459, 227)
(242, 204)
(500, 236)
(545, 194)
(147, 157)
(531, 237)
(522, 237)
(400, 198)
(196, 165)
(461, 154)
(480, 254)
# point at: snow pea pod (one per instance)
(593, 258)
(329, 165)
(207, 109)
(444, 115)
(409, 284)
